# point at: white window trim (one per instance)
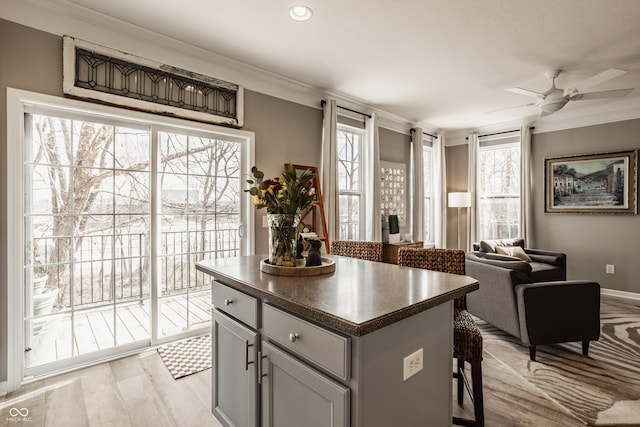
(17, 100)
(431, 169)
(361, 218)
(508, 140)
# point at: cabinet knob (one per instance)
(228, 301)
(293, 337)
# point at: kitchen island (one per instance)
(330, 350)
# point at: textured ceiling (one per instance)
(443, 63)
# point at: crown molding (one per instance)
(608, 113)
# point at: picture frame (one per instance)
(599, 183)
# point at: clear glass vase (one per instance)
(282, 239)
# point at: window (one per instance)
(499, 190)
(428, 207)
(350, 182)
(114, 208)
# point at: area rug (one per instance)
(602, 389)
(187, 357)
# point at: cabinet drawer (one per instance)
(326, 349)
(235, 303)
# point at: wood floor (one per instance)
(135, 391)
(139, 391)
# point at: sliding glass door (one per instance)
(116, 213)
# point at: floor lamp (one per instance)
(459, 200)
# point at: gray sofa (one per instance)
(532, 300)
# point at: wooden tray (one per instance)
(328, 266)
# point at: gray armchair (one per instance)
(532, 300)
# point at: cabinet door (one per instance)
(234, 380)
(294, 394)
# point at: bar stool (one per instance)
(370, 251)
(467, 340)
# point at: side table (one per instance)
(390, 250)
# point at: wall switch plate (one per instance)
(264, 222)
(413, 364)
(611, 269)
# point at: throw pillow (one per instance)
(514, 251)
(491, 245)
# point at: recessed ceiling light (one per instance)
(300, 13)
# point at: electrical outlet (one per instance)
(611, 269)
(412, 364)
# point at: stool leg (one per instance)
(460, 382)
(478, 399)
(585, 347)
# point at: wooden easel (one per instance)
(315, 206)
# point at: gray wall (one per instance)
(32, 60)
(590, 241)
(394, 146)
(456, 159)
(285, 133)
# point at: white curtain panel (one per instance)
(525, 185)
(472, 185)
(417, 185)
(439, 193)
(371, 186)
(329, 168)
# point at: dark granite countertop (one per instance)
(358, 298)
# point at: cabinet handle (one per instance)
(260, 374)
(246, 355)
(228, 302)
(293, 337)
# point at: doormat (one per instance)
(187, 357)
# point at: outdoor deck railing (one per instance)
(108, 267)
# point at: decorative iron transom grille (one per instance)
(149, 86)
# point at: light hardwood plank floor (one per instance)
(134, 391)
(140, 391)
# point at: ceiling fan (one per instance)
(553, 99)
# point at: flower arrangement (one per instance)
(288, 194)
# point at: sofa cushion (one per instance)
(547, 259)
(490, 245)
(514, 251)
(542, 272)
(498, 260)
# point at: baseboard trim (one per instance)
(620, 294)
(3, 388)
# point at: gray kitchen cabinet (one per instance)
(234, 379)
(293, 394)
(290, 389)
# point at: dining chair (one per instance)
(467, 340)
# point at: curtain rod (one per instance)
(323, 102)
(424, 133)
(500, 133)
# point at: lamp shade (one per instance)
(459, 200)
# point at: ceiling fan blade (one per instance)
(511, 108)
(526, 92)
(602, 77)
(603, 94)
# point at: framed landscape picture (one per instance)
(592, 183)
